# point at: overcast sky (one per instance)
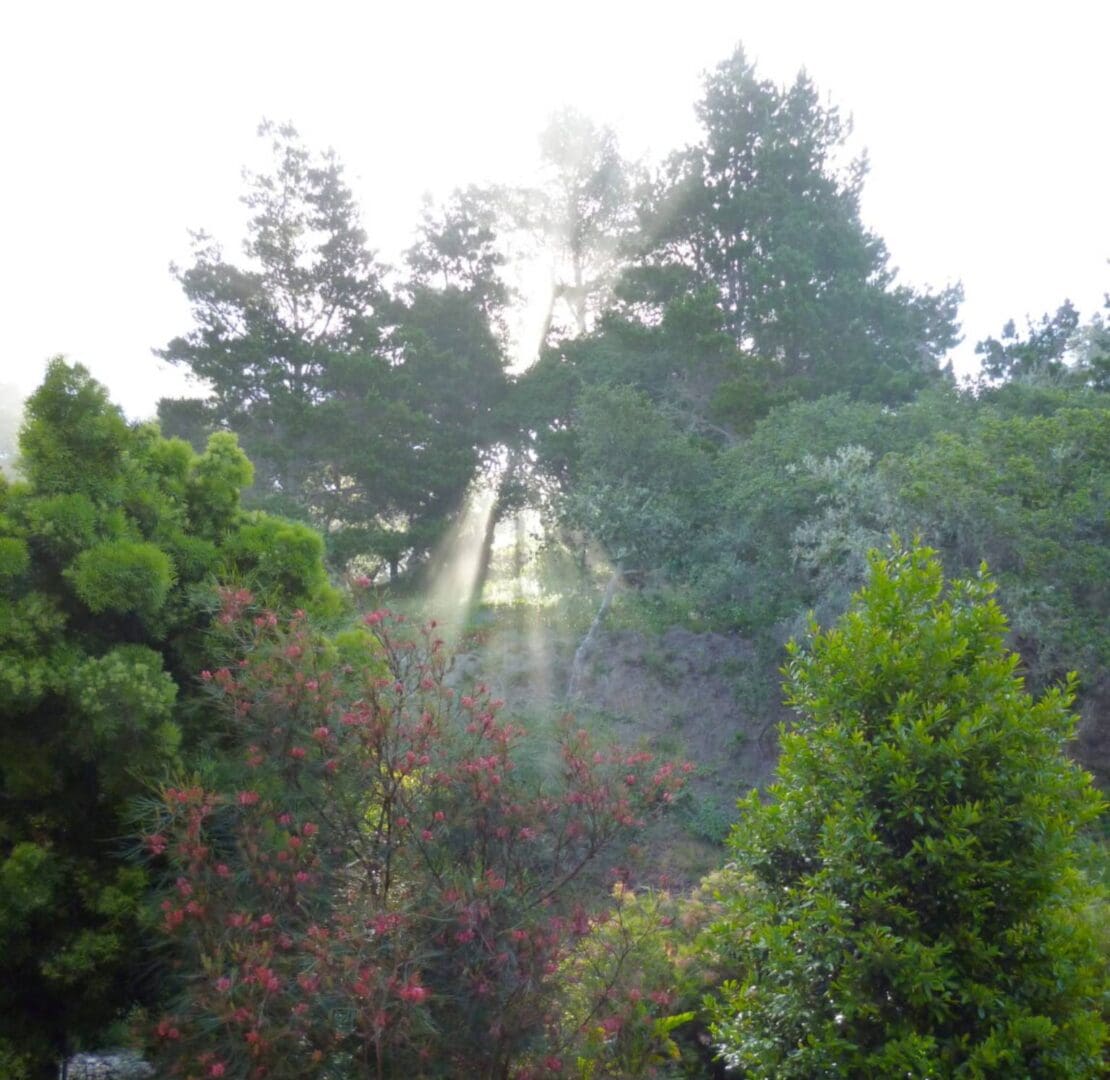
(126, 124)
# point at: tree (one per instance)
(1092, 351)
(915, 905)
(1056, 351)
(638, 483)
(266, 336)
(584, 213)
(457, 247)
(1028, 493)
(109, 556)
(1039, 357)
(760, 213)
(364, 412)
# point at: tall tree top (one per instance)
(763, 212)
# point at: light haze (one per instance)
(127, 124)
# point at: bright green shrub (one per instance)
(110, 556)
(72, 439)
(630, 994)
(126, 701)
(917, 906)
(14, 557)
(63, 525)
(285, 555)
(122, 576)
(216, 479)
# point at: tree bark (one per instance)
(589, 642)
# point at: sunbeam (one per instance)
(457, 579)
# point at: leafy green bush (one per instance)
(917, 906)
(122, 576)
(630, 994)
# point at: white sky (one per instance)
(125, 124)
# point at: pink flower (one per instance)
(310, 829)
(248, 798)
(223, 984)
(414, 993)
(218, 1069)
(297, 752)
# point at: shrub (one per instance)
(109, 555)
(123, 576)
(631, 991)
(916, 907)
(390, 882)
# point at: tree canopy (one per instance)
(366, 411)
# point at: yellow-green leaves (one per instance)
(123, 576)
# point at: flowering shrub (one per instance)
(384, 888)
(631, 991)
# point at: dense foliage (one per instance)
(387, 884)
(364, 410)
(917, 907)
(761, 216)
(109, 552)
(361, 868)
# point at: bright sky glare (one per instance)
(126, 124)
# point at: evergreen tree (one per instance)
(763, 215)
(268, 334)
(1040, 357)
(109, 557)
(915, 904)
(365, 413)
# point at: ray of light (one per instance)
(456, 582)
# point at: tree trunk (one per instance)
(588, 643)
(485, 557)
(548, 318)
